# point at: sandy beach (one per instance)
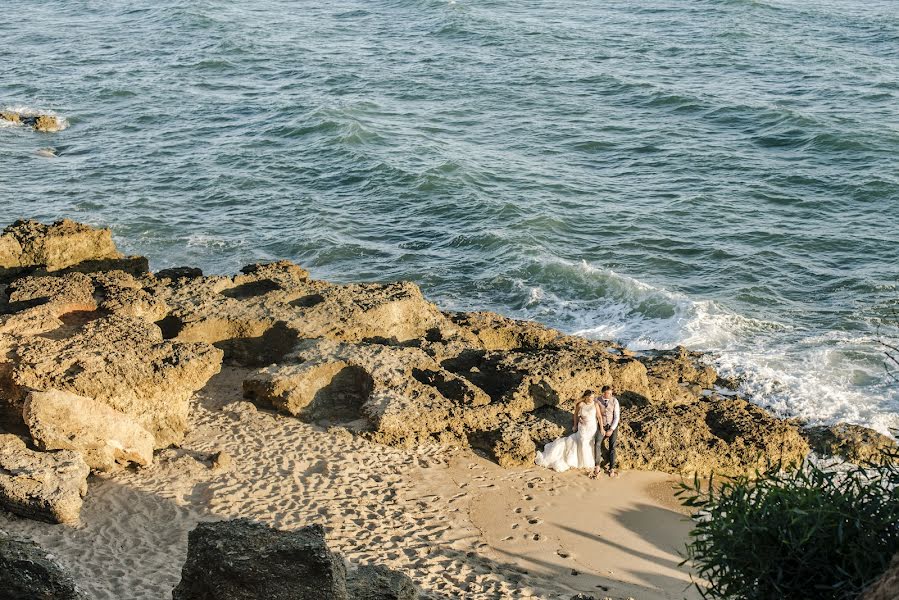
(458, 524)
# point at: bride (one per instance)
(576, 450)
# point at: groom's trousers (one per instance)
(612, 439)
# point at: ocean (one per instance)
(719, 174)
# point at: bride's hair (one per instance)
(587, 394)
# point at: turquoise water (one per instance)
(721, 174)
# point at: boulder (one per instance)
(47, 486)
(722, 435)
(854, 443)
(104, 437)
(376, 582)
(27, 572)
(887, 587)
(54, 247)
(245, 560)
(121, 362)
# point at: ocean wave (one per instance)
(818, 377)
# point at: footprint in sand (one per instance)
(535, 521)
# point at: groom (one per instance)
(611, 413)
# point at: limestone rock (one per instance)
(491, 331)
(887, 587)
(376, 582)
(404, 393)
(258, 316)
(554, 376)
(120, 293)
(11, 116)
(27, 572)
(48, 486)
(103, 436)
(727, 436)
(46, 123)
(121, 362)
(854, 443)
(518, 441)
(677, 376)
(244, 560)
(54, 247)
(39, 122)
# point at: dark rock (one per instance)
(179, 273)
(27, 572)
(854, 443)
(245, 560)
(376, 582)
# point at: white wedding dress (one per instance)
(576, 450)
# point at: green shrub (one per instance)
(806, 533)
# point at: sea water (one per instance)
(722, 174)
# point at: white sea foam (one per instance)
(820, 378)
(202, 240)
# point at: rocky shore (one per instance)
(100, 359)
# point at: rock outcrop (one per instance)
(376, 357)
(246, 560)
(103, 436)
(39, 122)
(854, 443)
(28, 572)
(724, 435)
(30, 245)
(47, 486)
(121, 362)
(259, 315)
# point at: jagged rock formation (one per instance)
(29, 245)
(245, 560)
(856, 444)
(27, 572)
(47, 486)
(723, 435)
(122, 362)
(79, 318)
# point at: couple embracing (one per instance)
(595, 420)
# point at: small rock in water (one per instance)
(46, 123)
(47, 152)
